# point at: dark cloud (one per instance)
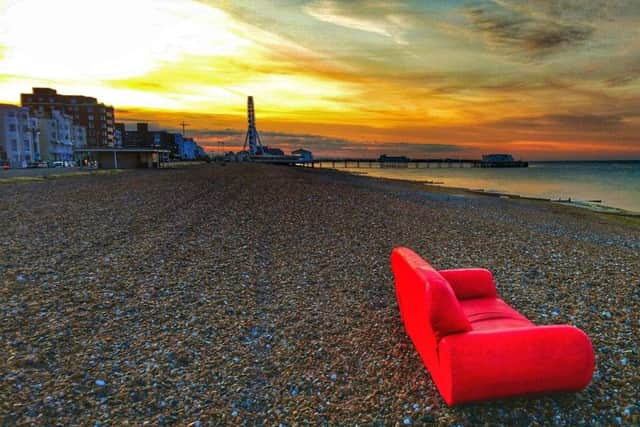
(522, 32)
(572, 122)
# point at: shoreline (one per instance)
(583, 205)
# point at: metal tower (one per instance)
(253, 137)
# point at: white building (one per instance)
(56, 141)
(18, 131)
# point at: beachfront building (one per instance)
(305, 155)
(138, 138)
(78, 136)
(186, 148)
(142, 137)
(166, 141)
(85, 111)
(55, 140)
(122, 158)
(18, 133)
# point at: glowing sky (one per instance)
(540, 80)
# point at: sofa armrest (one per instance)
(489, 364)
(470, 283)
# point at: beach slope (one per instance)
(256, 294)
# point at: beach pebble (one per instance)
(231, 295)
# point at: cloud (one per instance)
(372, 17)
(529, 33)
(566, 122)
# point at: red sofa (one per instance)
(476, 346)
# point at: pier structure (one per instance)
(405, 163)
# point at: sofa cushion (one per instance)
(492, 313)
(445, 313)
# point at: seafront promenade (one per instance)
(256, 294)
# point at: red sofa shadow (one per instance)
(477, 347)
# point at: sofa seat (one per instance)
(492, 313)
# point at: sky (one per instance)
(543, 80)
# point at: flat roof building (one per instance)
(122, 158)
(85, 111)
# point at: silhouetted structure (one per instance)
(253, 137)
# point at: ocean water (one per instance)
(615, 184)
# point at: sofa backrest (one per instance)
(425, 298)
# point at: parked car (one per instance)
(57, 164)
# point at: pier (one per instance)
(411, 163)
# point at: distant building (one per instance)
(18, 136)
(54, 140)
(496, 158)
(393, 161)
(187, 149)
(85, 111)
(305, 155)
(78, 136)
(141, 137)
(119, 134)
(166, 141)
(272, 151)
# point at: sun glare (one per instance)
(90, 39)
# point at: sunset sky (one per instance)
(540, 80)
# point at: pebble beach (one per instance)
(246, 294)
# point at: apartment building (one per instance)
(18, 136)
(85, 111)
(57, 135)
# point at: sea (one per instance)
(599, 185)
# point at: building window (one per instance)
(12, 127)
(14, 145)
(11, 113)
